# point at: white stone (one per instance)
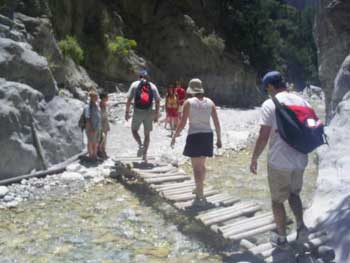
(3, 191)
(71, 176)
(74, 167)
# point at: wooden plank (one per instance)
(150, 176)
(183, 190)
(164, 169)
(229, 215)
(253, 232)
(246, 244)
(190, 196)
(245, 221)
(168, 186)
(229, 201)
(220, 211)
(167, 179)
(248, 227)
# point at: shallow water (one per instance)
(107, 223)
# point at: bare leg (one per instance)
(198, 166)
(146, 145)
(279, 213)
(137, 138)
(297, 208)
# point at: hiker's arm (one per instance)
(214, 115)
(183, 121)
(260, 145)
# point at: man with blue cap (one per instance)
(143, 93)
(285, 164)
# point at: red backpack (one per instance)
(143, 95)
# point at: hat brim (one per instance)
(192, 91)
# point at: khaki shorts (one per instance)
(144, 117)
(283, 183)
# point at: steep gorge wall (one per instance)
(332, 33)
(330, 210)
(170, 44)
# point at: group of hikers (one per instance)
(286, 165)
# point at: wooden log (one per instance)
(149, 172)
(230, 215)
(168, 186)
(248, 227)
(183, 190)
(218, 197)
(184, 205)
(167, 179)
(164, 169)
(245, 221)
(150, 176)
(186, 197)
(221, 211)
(246, 244)
(253, 232)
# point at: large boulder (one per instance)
(17, 104)
(332, 34)
(18, 62)
(55, 124)
(330, 210)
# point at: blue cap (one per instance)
(143, 73)
(274, 78)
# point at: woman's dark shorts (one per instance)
(199, 145)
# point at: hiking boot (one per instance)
(140, 151)
(279, 241)
(302, 233)
(202, 203)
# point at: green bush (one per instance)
(121, 46)
(70, 47)
(214, 41)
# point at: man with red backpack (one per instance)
(143, 93)
(284, 123)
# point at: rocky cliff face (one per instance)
(171, 45)
(332, 33)
(38, 127)
(330, 209)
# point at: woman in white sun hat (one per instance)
(199, 143)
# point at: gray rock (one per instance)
(332, 35)
(3, 191)
(56, 125)
(21, 64)
(71, 176)
(67, 74)
(341, 83)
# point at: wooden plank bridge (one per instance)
(233, 221)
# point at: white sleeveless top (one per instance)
(200, 114)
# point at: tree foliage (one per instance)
(121, 46)
(71, 48)
(272, 35)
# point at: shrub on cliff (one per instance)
(214, 41)
(70, 47)
(121, 46)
